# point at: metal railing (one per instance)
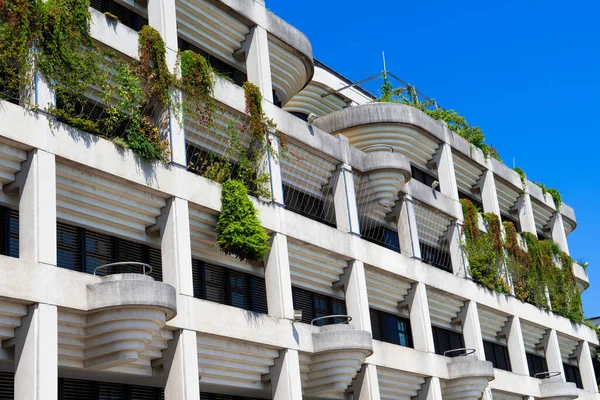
(547, 375)
(146, 268)
(465, 352)
(333, 317)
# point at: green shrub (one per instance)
(239, 232)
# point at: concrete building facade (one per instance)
(358, 234)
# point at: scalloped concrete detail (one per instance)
(467, 378)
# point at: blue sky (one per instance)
(525, 71)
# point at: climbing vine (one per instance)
(541, 273)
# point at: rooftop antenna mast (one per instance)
(384, 68)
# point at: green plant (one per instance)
(111, 16)
(239, 232)
(522, 175)
(553, 192)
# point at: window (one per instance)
(125, 15)
(435, 257)
(536, 364)
(9, 232)
(213, 396)
(77, 389)
(515, 222)
(81, 250)
(390, 328)
(384, 237)
(307, 205)
(226, 286)
(445, 340)
(572, 374)
(315, 305)
(497, 355)
(7, 386)
(423, 177)
(476, 203)
(235, 75)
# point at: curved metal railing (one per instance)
(466, 352)
(146, 268)
(377, 146)
(347, 317)
(547, 375)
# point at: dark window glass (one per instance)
(423, 177)
(390, 328)
(9, 232)
(214, 396)
(307, 205)
(536, 364)
(226, 286)
(515, 222)
(301, 115)
(445, 340)
(435, 257)
(77, 389)
(7, 386)
(69, 247)
(572, 375)
(476, 203)
(315, 305)
(497, 355)
(383, 236)
(126, 16)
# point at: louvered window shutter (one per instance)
(99, 250)
(258, 295)
(145, 393)
(155, 261)
(76, 389)
(572, 374)
(13, 247)
(215, 282)
(198, 279)
(376, 326)
(127, 251)
(4, 218)
(239, 292)
(7, 386)
(303, 301)
(68, 246)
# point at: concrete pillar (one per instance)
(516, 346)
(258, 65)
(181, 367)
(431, 389)
(420, 320)
(558, 232)
(274, 169)
(471, 328)
(525, 210)
(36, 354)
(344, 197)
(586, 368)
(162, 16)
(445, 169)
(286, 382)
(457, 257)
(37, 208)
(278, 280)
(176, 247)
(489, 196)
(366, 384)
(407, 228)
(552, 351)
(357, 300)
(43, 94)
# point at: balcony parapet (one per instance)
(339, 351)
(581, 275)
(467, 378)
(557, 389)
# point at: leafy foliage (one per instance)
(239, 232)
(554, 193)
(522, 175)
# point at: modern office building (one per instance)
(365, 227)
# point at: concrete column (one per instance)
(43, 94)
(286, 382)
(420, 320)
(366, 384)
(558, 232)
(344, 196)
(357, 300)
(525, 210)
(37, 208)
(472, 329)
(176, 247)
(489, 196)
(407, 228)
(516, 346)
(431, 389)
(181, 367)
(36, 354)
(278, 280)
(457, 257)
(446, 174)
(274, 169)
(552, 351)
(586, 368)
(258, 65)
(162, 16)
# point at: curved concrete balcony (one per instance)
(467, 378)
(581, 275)
(557, 389)
(126, 313)
(339, 351)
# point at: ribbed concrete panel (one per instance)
(385, 291)
(309, 101)
(398, 385)
(104, 203)
(313, 268)
(432, 225)
(377, 192)
(508, 195)
(567, 346)
(467, 174)
(203, 24)
(464, 389)
(492, 323)
(288, 71)
(11, 158)
(415, 145)
(443, 308)
(234, 363)
(541, 213)
(10, 318)
(306, 171)
(532, 337)
(498, 395)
